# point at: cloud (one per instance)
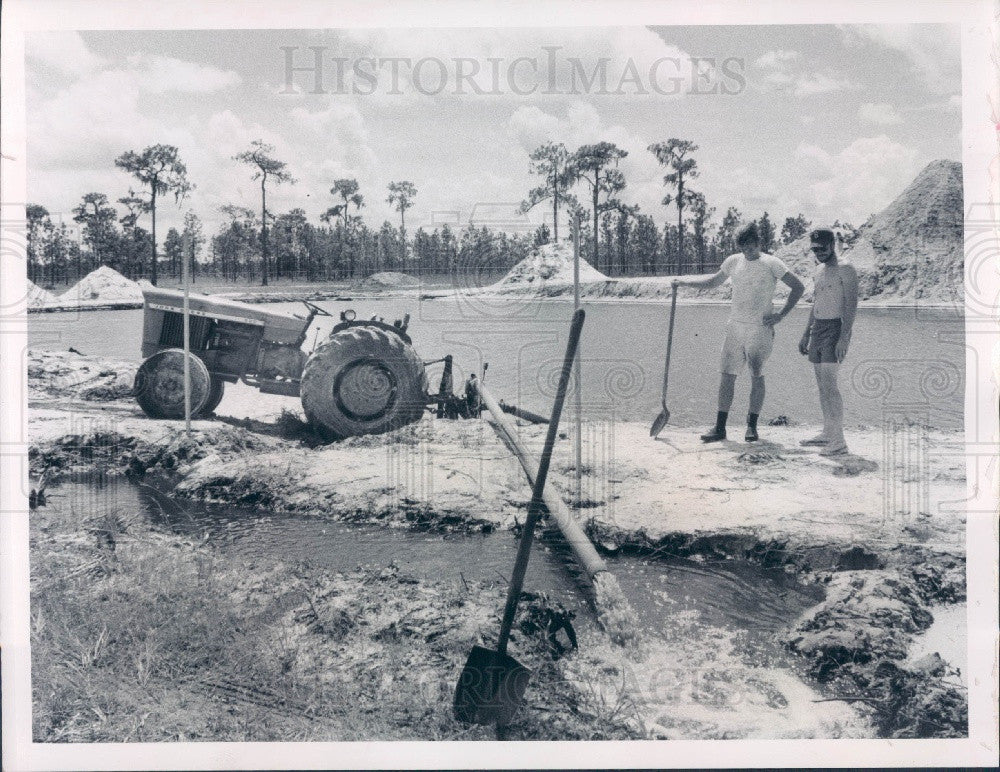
(879, 113)
(159, 74)
(810, 84)
(933, 50)
(531, 126)
(860, 179)
(62, 52)
(403, 66)
(785, 72)
(751, 191)
(340, 130)
(773, 60)
(946, 104)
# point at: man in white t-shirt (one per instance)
(750, 328)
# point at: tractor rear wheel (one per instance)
(363, 380)
(159, 384)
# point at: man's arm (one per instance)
(708, 282)
(804, 343)
(796, 288)
(849, 282)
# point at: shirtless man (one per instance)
(828, 335)
(750, 329)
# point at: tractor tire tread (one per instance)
(321, 370)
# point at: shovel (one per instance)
(492, 683)
(664, 416)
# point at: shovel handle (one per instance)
(670, 342)
(535, 507)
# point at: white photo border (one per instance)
(981, 165)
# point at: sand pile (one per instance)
(549, 264)
(388, 280)
(916, 243)
(38, 297)
(105, 286)
(910, 250)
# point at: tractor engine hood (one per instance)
(278, 327)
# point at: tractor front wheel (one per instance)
(215, 393)
(159, 384)
(363, 380)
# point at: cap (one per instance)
(822, 236)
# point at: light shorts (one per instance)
(746, 344)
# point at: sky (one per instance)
(830, 121)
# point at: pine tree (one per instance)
(794, 228)
(765, 229)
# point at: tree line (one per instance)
(259, 245)
(619, 239)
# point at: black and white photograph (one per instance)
(471, 375)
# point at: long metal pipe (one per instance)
(577, 373)
(187, 337)
(583, 550)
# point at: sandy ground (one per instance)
(880, 528)
(893, 488)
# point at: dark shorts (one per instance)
(823, 340)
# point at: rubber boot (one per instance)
(719, 432)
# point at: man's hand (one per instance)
(804, 345)
(841, 349)
(772, 319)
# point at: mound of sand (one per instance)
(912, 249)
(387, 280)
(916, 244)
(100, 287)
(549, 264)
(38, 297)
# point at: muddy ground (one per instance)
(383, 640)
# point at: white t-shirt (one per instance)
(753, 285)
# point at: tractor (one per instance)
(365, 378)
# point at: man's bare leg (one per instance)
(830, 393)
(824, 436)
(727, 387)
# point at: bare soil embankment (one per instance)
(772, 502)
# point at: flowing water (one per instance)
(731, 594)
(902, 361)
(712, 665)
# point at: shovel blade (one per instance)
(490, 688)
(659, 423)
